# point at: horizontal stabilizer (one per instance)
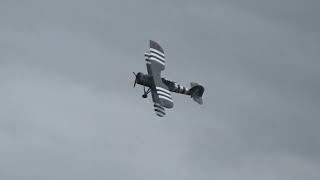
(196, 91)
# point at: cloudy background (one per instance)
(68, 109)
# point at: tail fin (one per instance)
(196, 92)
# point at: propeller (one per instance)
(135, 80)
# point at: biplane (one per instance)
(160, 87)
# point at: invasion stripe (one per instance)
(163, 89)
(157, 109)
(183, 90)
(158, 106)
(146, 54)
(157, 52)
(158, 57)
(176, 87)
(155, 57)
(148, 61)
(163, 94)
(165, 98)
(159, 112)
(157, 60)
(160, 115)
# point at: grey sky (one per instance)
(68, 109)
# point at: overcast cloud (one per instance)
(68, 109)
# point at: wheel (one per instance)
(144, 96)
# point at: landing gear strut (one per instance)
(145, 93)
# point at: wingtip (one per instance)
(156, 45)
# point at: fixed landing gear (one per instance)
(145, 93)
(138, 76)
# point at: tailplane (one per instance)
(196, 92)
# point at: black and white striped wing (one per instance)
(155, 64)
(160, 111)
(158, 107)
(165, 97)
(156, 56)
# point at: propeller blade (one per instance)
(135, 80)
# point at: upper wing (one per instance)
(156, 55)
(155, 64)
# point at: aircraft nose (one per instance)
(139, 75)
